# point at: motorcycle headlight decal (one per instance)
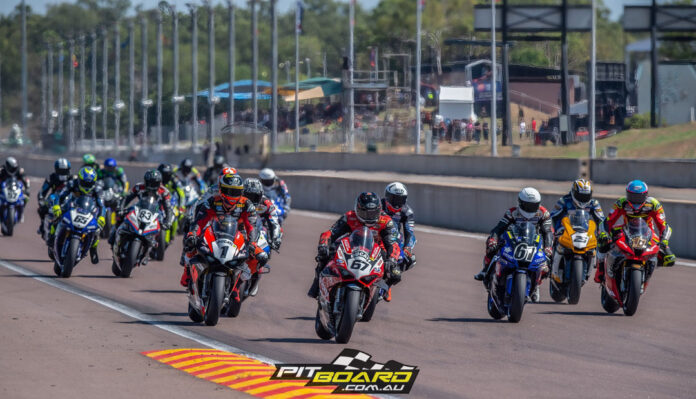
(346, 274)
(639, 243)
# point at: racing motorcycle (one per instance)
(279, 203)
(628, 267)
(219, 273)
(75, 234)
(136, 236)
(574, 256)
(111, 196)
(11, 204)
(517, 268)
(349, 286)
(191, 197)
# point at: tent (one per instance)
(457, 102)
(242, 90)
(311, 88)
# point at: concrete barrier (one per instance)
(503, 167)
(667, 173)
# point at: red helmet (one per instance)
(230, 186)
(228, 171)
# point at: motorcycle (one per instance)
(11, 204)
(256, 272)
(574, 256)
(279, 204)
(75, 234)
(191, 197)
(111, 196)
(349, 285)
(136, 236)
(628, 267)
(164, 237)
(517, 268)
(219, 274)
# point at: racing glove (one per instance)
(101, 222)
(668, 257)
(410, 257)
(56, 211)
(491, 244)
(275, 243)
(190, 242)
(393, 272)
(322, 252)
(603, 241)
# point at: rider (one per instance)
(227, 201)
(367, 213)
(91, 161)
(11, 169)
(85, 184)
(152, 186)
(274, 187)
(52, 185)
(266, 211)
(636, 204)
(187, 172)
(172, 183)
(579, 197)
(395, 206)
(211, 174)
(111, 169)
(529, 209)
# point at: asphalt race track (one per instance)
(57, 344)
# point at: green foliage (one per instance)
(639, 121)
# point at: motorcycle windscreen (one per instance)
(579, 220)
(362, 239)
(525, 232)
(84, 204)
(638, 233)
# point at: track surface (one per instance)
(437, 321)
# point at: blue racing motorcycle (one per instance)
(11, 204)
(517, 267)
(75, 234)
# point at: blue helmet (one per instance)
(62, 166)
(110, 163)
(636, 193)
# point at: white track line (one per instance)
(132, 313)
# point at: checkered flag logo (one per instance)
(353, 359)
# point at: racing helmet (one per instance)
(153, 179)
(219, 162)
(110, 164)
(186, 166)
(11, 165)
(253, 190)
(230, 187)
(636, 194)
(62, 167)
(89, 159)
(581, 193)
(267, 177)
(86, 179)
(228, 171)
(529, 201)
(368, 208)
(395, 195)
(166, 171)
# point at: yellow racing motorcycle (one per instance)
(574, 256)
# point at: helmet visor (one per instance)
(529, 207)
(87, 186)
(267, 182)
(253, 197)
(582, 197)
(368, 215)
(231, 191)
(397, 201)
(636, 199)
(152, 184)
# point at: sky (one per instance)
(39, 6)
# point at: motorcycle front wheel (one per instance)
(634, 288)
(131, 259)
(9, 221)
(215, 297)
(351, 307)
(70, 257)
(576, 280)
(518, 294)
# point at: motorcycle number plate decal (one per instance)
(224, 250)
(524, 252)
(80, 220)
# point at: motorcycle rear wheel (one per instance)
(351, 306)
(370, 311)
(217, 294)
(492, 309)
(194, 315)
(576, 280)
(518, 294)
(608, 303)
(634, 288)
(322, 332)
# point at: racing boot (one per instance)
(314, 289)
(254, 284)
(599, 273)
(93, 255)
(387, 295)
(185, 278)
(480, 276)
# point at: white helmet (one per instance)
(395, 194)
(529, 201)
(267, 177)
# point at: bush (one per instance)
(639, 121)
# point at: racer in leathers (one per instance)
(111, 169)
(367, 212)
(395, 206)
(636, 204)
(273, 187)
(186, 172)
(11, 169)
(227, 201)
(267, 217)
(211, 174)
(529, 209)
(85, 184)
(151, 186)
(55, 182)
(172, 183)
(579, 197)
(91, 161)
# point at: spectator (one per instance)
(523, 128)
(469, 130)
(534, 126)
(477, 132)
(485, 131)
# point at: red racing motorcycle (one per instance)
(349, 286)
(628, 267)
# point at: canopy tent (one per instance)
(242, 90)
(310, 89)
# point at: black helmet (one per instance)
(11, 165)
(62, 167)
(395, 195)
(368, 208)
(253, 190)
(153, 179)
(166, 170)
(219, 162)
(186, 166)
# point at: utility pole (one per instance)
(230, 61)
(274, 77)
(351, 70)
(71, 97)
(297, 76)
(211, 82)
(117, 87)
(131, 84)
(309, 69)
(94, 90)
(105, 81)
(1, 90)
(654, 61)
(254, 61)
(144, 100)
(419, 12)
(50, 90)
(159, 80)
(176, 99)
(593, 80)
(83, 94)
(194, 76)
(25, 107)
(44, 72)
(565, 105)
(494, 95)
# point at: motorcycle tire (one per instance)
(633, 296)
(10, 221)
(492, 309)
(608, 303)
(161, 246)
(217, 294)
(519, 291)
(556, 294)
(576, 280)
(70, 257)
(56, 269)
(131, 259)
(235, 306)
(322, 332)
(107, 226)
(351, 307)
(50, 254)
(115, 269)
(194, 315)
(370, 311)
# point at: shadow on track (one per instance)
(163, 322)
(167, 314)
(32, 275)
(579, 313)
(181, 291)
(293, 340)
(97, 276)
(308, 318)
(464, 320)
(28, 260)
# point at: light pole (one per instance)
(297, 75)
(71, 97)
(60, 88)
(166, 7)
(419, 13)
(105, 81)
(25, 108)
(494, 96)
(351, 69)
(211, 81)
(131, 84)
(254, 61)
(50, 90)
(194, 75)
(230, 60)
(159, 80)
(83, 39)
(44, 72)
(144, 100)
(274, 78)
(93, 108)
(593, 78)
(117, 86)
